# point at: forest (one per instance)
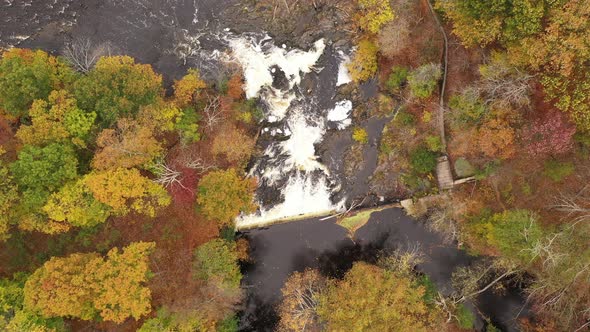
(119, 189)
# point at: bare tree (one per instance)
(168, 176)
(213, 111)
(83, 54)
(504, 84)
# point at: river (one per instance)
(300, 79)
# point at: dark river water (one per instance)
(281, 249)
(174, 35)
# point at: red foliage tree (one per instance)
(550, 135)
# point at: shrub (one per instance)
(463, 168)
(465, 318)
(360, 135)
(434, 143)
(364, 64)
(405, 118)
(467, 108)
(557, 171)
(423, 160)
(424, 79)
(397, 78)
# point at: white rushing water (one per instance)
(340, 114)
(293, 162)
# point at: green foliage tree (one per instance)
(373, 299)
(86, 285)
(423, 160)
(514, 233)
(8, 198)
(483, 22)
(217, 261)
(396, 80)
(424, 79)
(116, 87)
(27, 75)
(39, 171)
(467, 109)
(57, 120)
(364, 64)
(222, 195)
(188, 125)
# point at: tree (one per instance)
(234, 144)
(185, 321)
(298, 309)
(423, 160)
(235, 87)
(57, 120)
(217, 262)
(360, 135)
(222, 195)
(39, 171)
(513, 233)
(126, 190)
(370, 298)
(27, 75)
(187, 88)
(424, 79)
(394, 37)
(364, 64)
(187, 126)
(86, 285)
(74, 205)
(496, 138)
(8, 198)
(551, 135)
(128, 145)
(483, 22)
(373, 14)
(116, 87)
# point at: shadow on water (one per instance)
(282, 249)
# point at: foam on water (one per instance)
(343, 74)
(292, 162)
(340, 114)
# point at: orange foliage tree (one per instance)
(130, 144)
(86, 285)
(233, 143)
(496, 138)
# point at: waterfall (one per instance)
(289, 165)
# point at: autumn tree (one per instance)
(301, 296)
(550, 135)
(117, 87)
(235, 87)
(233, 143)
(187, 88)
(496, 138)
(27, 75)
(483, 22)
(57, 120)
(87, 286)
(424, 80)
(39, 171)
(8, 198)
(14, 317)
(370, 298)
(223, 194)
(74, 205)
(128, 145)
(373, 14)
(126, 190)
(364, 63)
(217, 262)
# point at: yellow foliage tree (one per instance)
(187, 88)
(364, 64)
(57, 120)
(370, 298)
(130, 144)
(373, 14)
(126, 190)
(86, 285)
